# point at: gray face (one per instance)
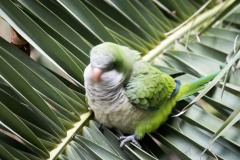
(102, 58)
(107, 80)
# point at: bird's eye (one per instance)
(111, 66)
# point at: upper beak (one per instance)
(96, 74)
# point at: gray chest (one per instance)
(116, 112)
(109, 103)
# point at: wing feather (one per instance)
(148, 87)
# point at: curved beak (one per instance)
(96, 74)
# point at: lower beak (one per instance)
(96, 74)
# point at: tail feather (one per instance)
(194, 86)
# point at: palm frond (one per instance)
(43, 113)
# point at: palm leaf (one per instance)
(45, 116)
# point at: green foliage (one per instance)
(43, 111)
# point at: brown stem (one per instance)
(18, 41)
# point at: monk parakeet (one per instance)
(129, 94)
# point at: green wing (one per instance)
(148, 87)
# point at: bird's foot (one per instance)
(132, 138)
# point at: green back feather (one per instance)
(158, 117)
(148, 87)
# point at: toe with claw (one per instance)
(130, 138)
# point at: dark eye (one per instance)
(111, 66)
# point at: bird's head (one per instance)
(109, 56)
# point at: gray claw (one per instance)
(131, 138)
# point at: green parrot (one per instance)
(129, 94)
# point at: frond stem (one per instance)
(193, 24)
